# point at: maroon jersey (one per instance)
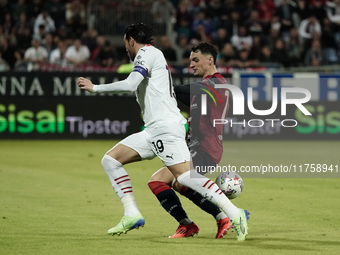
(202, 134)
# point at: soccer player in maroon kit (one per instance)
(204, 142)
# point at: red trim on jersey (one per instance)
(127, 188)
(218, 76)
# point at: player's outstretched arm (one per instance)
(130, 84)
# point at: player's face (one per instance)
(129, 48)
(199, 63)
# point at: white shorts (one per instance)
(166, 141)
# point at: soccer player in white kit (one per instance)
(163, 136)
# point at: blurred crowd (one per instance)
(247, 33)
(50, 31)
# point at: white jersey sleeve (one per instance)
(130, 84)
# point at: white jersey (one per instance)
(155, 93)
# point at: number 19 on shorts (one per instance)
(159, 147)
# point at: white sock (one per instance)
(130, 207)
(209, 190)
(121, 183)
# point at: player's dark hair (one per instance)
(140, 32)
(205, 48)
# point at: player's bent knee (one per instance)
(154, 178)
(124, 154)
(109, 161)
(177, 186)
(162, 175)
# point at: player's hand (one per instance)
(84, 83)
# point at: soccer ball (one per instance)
(230, 183)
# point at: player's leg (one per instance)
(222, 220)
(202, 185)
(131, 149)
(169, 144)
(209, 190)
(112, 163)
(159, 184)
(203, 160)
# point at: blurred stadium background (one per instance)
(280, 35)
(46, 45)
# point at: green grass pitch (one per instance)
(55, 198)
